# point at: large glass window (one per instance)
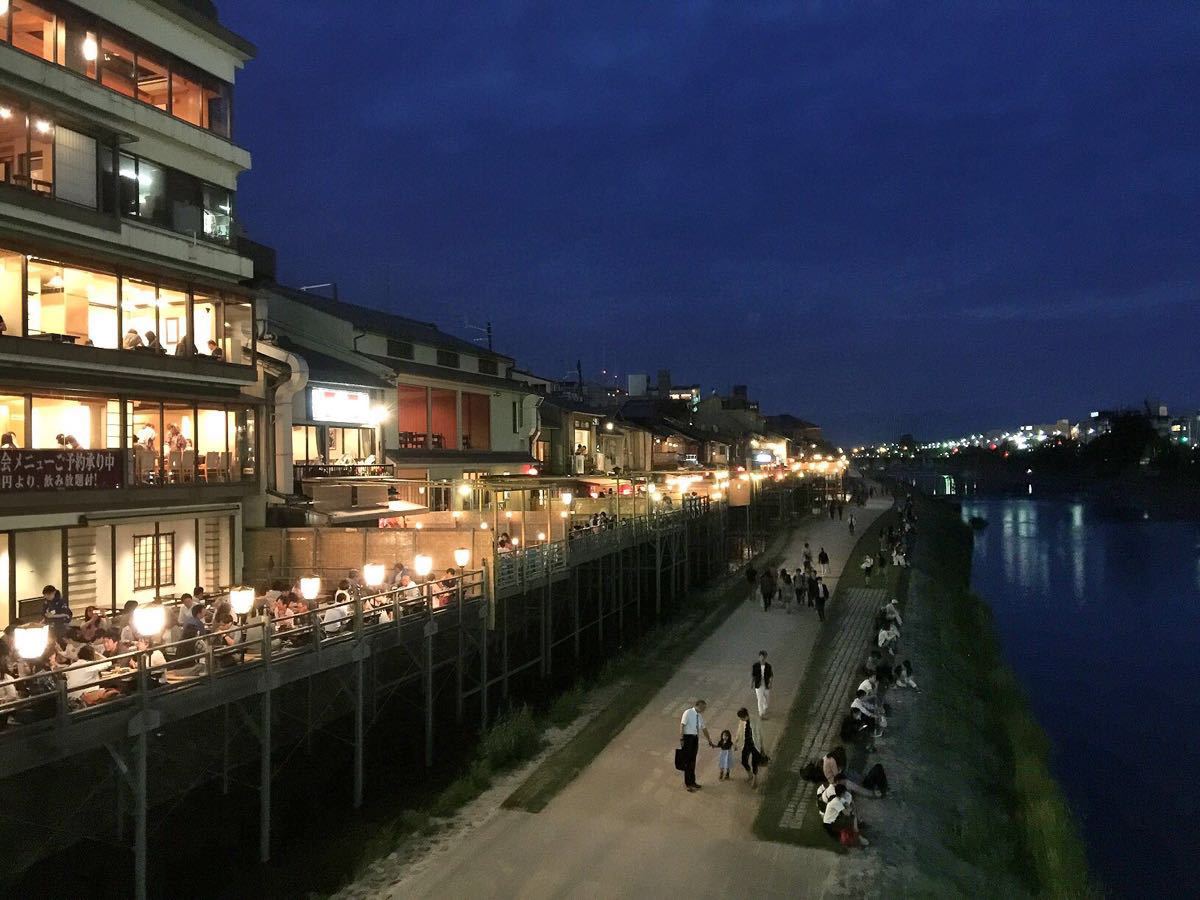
(239, 332)
(12, 267)
(144, 423)
(69, 423)
(139, 309)
(116, 67)
(211, 448)
(41, 156)
(218, 212)
(242, 444)
(38, 167)
(12, 421)
(71, 302)
(153, 84)
(143, 190)
(78, 48)
(14, 141)
(173, 330)
(121, 63)
(33, 29)
(178, 443)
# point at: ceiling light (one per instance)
(90, 50)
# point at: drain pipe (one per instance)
(284, 393)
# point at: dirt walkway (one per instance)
(626, 825)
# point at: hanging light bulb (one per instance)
(90, 48)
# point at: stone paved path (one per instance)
(625, 826)
(852, 639)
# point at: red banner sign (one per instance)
(60, 470)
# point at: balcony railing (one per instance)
(518, 570)
(301, 471)
(65, 694)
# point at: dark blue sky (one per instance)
(927, 217)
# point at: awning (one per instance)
(120, 517)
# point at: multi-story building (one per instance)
(390, 398)
(128, 387)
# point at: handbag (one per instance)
(680, 759)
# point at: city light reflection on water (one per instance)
(1099, 618)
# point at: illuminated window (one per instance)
(150, 572)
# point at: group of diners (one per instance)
(96, 658)
(151, 344)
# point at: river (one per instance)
(1100, 619)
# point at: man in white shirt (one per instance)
(334, 615)
(691, 726)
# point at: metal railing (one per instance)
(91, 687)
(516, 569)
(302, 471)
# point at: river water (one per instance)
(1100, 619)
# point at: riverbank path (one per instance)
(626, 826)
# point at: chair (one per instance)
(214, 466)
(187, 465)
(144, 464)
(175, 465)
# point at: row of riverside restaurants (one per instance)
(160, 393)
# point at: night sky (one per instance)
(926, 217)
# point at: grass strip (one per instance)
(642, 670)
(782, 781)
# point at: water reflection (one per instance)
(1098, 618)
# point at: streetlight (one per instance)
(241, 600)
(31, 640)
(150, 619)
(310, 587)
(422, 565)
(373, 574)
(462, 556)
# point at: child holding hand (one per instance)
(724, 755)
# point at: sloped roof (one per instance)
(322, 367)
(399, 327)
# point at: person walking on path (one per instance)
(745, 741)
(812, 588)
(851, 524)
(867, 565)
(822, 598)
(691, 726)
(767, 587)
(823, 561)
(787, 590)
(760, 679)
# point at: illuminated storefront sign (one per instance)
(339, 405)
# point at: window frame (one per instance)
(99, 29)
(444, 355)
